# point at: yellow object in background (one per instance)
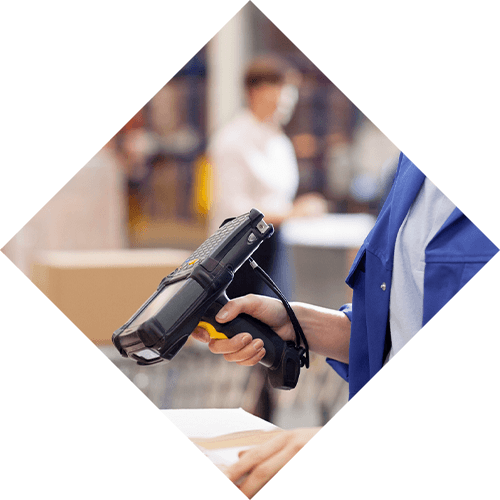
(202, 198)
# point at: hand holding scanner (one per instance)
(282, 358)
(195, 292)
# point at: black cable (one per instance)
(299, 334)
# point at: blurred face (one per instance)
(263, 100)
(273, 102)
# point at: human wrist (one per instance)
(327, 330)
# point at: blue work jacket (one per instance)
(455, 254)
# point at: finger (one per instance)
(248, 352)
(226, 346)
(255, 456)
(201, 334)
(248, 304)
(264, 472)
(254, 360)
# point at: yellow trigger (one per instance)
(214, 334)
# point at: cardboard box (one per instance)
(100, 290)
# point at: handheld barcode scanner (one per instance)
(195, 292)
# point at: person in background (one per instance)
(254, 166)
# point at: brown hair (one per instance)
(267, 69)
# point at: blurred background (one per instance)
(133, 214)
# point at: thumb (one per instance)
(246, 304)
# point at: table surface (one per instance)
(330, 230)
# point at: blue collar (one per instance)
(407, 183)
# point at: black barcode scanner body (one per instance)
(195, 292)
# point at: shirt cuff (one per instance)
(342, 368)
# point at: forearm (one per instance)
(327, 331)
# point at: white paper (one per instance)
(214, 422)
(224, 457)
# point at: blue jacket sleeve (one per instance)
(342, 368)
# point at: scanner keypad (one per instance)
(208, 246)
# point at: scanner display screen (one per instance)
(158, 302)
(147, 354)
